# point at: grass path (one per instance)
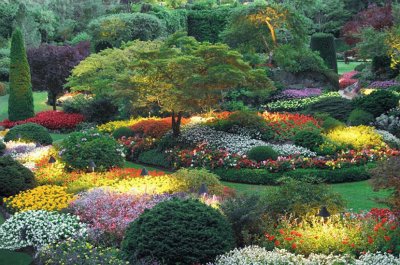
(343, 68)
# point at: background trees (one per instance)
(20, 103)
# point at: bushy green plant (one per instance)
(100, 110)
(325, 45)
(192, 179)
(309, 139)
(80, 148)
(329, 123)
(123, 132)
(20, 102)
(2, 147)
(154, 157)
(360, 117)
(378, 102)
(338, 108)
(178, 232)
(299, 198)
(29, 132)
(262, 153)
(3, 89)
(83, 36)
(14, 177)
(76, 104)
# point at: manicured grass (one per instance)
(343, 68)
(39, 99)
(358, 195)
(129, 164)
(8, 257)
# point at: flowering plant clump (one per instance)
(383, 84)
(347, 79)
(53, 120)
(356, 137)
(27, 154)
(351, 233)
(154, 128)
(255, 255)
(48, 197)
(38, 228)
(377, 258)
(109, 213)
(292, 93)
(72, 252)
(299, 104)
(389, 138)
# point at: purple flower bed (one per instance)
(383, 84)
(293, 93)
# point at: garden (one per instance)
(199, 132)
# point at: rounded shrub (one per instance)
(29, 132)
(325, 44)
(178, 232)
(338, 108)
(309, 139)
(123, 131)
(14, 177)
(378, 102)
(360, 117)
(80, 148)
(262, 153)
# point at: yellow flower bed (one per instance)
(113, 125)
(48, 197)
(356, 137)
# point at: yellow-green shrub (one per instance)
(111, 126)
(356, 137)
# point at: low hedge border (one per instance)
(315, 175)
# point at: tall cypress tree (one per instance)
(20, 103)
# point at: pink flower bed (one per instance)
(347, 79)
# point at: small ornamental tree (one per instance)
(20, 102)
(51, 65)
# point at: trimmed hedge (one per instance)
(29, 132)
(325, 45)
(155, 158)
(264, 177)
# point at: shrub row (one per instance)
(263, 177)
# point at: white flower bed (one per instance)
(39, 228)
(235, 143)
(254, 255)
(389, 138)
(26, 153)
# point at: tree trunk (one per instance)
(176, 123)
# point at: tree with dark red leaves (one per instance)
(374, 16)
(51, 65)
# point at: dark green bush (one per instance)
(299, 198)
(14, 177)
(154, 157)
(29, 132)
(123, 131)
(206, 25)
(329, 123)
(2, 147)
(178, 232)
(262, 153)
(325, 45)
(309, 139)
(378, 102)
(360, 117)
(79, 148)
(338, 108)
(76, 104)
(174, 19)
(315, 175)
(246, 213)
(100, 110)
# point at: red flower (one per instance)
(370, 240)
(277, 243)
(387, 238)
(389, 251)
(294, 246)
(288, 238)
(281, 231)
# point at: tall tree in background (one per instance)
(20, 102)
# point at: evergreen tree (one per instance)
(20, 103)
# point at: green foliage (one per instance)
(115, 29)
(83, 36)
(4, 63)
(178, 232)
(14, 177)
(76, 104)
(299, 198)
(315, 175)
(123, 132)
(8, 11)
(29, 132)
(360, 117)
(325, 45)
(329, 123)
(338, 108)
(154, 157)
(295, 60)
(192, 179)
(262, 153)
(247, 217)
(100, 110)
(174, 20)
(2, 147)
(79, 148)
(3, 89)
(309, 139)
(372, 44)
(206, 25)
(20, 103)
(378, 102)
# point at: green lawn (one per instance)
(358, 195)
(39, 99)
(343, 68)
(129, 164)
(8, 257)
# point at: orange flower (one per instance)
(277, 243)
(281, 231)
(370, 240)
(294, 246)
(289, 238)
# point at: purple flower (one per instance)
(383, 84)
(292, 93)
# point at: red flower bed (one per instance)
(347, 79)
(154, 128)
(53, 120)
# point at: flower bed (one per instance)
(295, 93)
(298, 104)
(53, 120)
(383, 84)
(347, 79)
